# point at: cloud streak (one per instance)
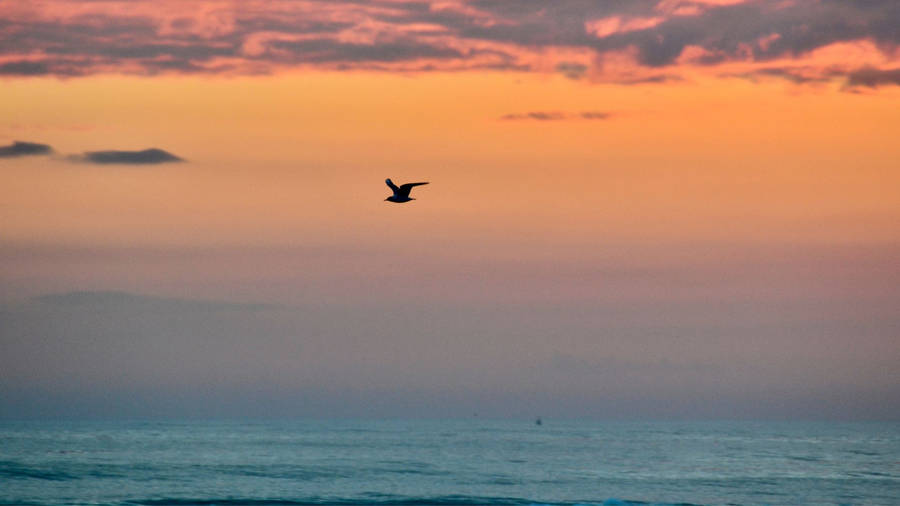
(871, 77)
(107, 157)
(626, 42)
(21, 148)
(126, 300)
(143, 157)
(555, 116)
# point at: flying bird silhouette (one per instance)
(401, 193)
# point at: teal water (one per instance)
(457, 462)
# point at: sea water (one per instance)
(454, 462)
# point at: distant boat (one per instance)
(538, 421)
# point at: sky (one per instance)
(647, 209)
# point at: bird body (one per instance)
(401, 193)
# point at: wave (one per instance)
(14, 470)
(398, 501)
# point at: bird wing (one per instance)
(391, 184)
(405, 188)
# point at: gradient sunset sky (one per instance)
(637, 209)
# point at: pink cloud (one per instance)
(616, 24)
(626, 43)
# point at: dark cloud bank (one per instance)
(107, 157)
(20, 148)
(144, 157)
(871, 77)
(498, 34)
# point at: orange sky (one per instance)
(271, 157)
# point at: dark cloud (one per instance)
(572, 70)
(865, 77)
(504, 34)
(59, 67)
(24, 68)
(595, 115)
(330, 51)
(541, 23)
(147, 156)
(871, 77)
(756, 30)
(106, 43)
(20, 148)
(762, 30)
(801, 75)
(556, 116)
(537, 115)
(652, 79)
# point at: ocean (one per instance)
(448, 462)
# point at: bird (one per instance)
(401, 193)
